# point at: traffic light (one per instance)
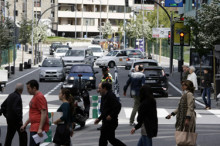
(181, 39)
(169, 35)
(126, 3)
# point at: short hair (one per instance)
(19, 87)
(107, 86)
(185, 66)
(104, 68)
(192, 68)
(33, 83)
(140, 67)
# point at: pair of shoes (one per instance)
(99, 128)
(132, 124)
(208, 108)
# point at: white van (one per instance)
(97, 51)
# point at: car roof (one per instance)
(145, 60)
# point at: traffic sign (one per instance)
(160, 32)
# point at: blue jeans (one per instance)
(206, 92)
(32, 142)
(145, 141)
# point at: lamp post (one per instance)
(100, 23)
(86, 28)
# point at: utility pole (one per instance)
(100, 23)
(32, 33)
(124, 27)
(14, 37)
(142, 7)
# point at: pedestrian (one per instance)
(137, 80)
(12, 110)
(65, 123)
(109, 116)
(206, 82)
(106, 76)
(147, 117)
(185, 113)
(192, 77)
(185, 72)
(38, 112)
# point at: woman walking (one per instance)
(147, 117)
(185, 113)
(193, 77)
(64, 124)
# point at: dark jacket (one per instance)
(207, 80)
(12, 107)
(137, 80)
(110, 106)
(147, 114)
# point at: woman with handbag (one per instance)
(185, 114)
(147, 117)
(64, 124)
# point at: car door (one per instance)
(121, 57)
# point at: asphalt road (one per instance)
(207, 121)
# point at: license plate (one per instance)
(150, 81)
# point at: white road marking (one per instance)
(48, 93)
(178, 90)
(22, 76)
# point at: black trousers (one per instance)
(108, 134)
(11, 129)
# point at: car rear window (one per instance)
(81, 69)
(52, 63)
(75, 53)
(152, 73)
(146, 64)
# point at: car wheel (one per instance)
(111, 64)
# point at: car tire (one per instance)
(111, 64)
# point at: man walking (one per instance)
(185, 72)
(206, 82)
(38, 114)
(137, 80)
(109, 116)
(12, 110)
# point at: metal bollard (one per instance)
(95, 106)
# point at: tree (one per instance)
(6, 35)
(205, 30)
(107, 29)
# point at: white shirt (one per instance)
(192, 77)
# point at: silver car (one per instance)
(133, 57)
(52, 69)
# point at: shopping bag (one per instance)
(185, 138)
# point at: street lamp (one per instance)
(86, 28)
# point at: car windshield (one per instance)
(145, 64)
(96, 50)
(52, 63)
(112, 53)
(81, 69)
(61, 50)
(135, 55)
(152, 72)
(75, 53)
(56, 44)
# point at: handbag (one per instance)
(185, 138)
(62, 135)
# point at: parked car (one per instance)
(52, 69)
(54, 46)
(78, 55)
(133, 57)
(88, 79)
(157, 79)
(98, 39)
(97, 51)
(60, 52)
(115, 58)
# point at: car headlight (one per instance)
(71, 78)
(91, 78)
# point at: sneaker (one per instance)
(132, 124)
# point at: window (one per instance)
(37, 3)
(38, 13)
(52, 15)
(89, 22)
(16, 13)
(52, 1)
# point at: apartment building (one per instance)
(75, 18)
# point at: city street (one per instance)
(208, 128)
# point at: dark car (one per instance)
(53, 47)
(157, 79)
(87, 73)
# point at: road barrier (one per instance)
(95, 106)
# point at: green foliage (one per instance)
(25, 31)
(107, 29)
